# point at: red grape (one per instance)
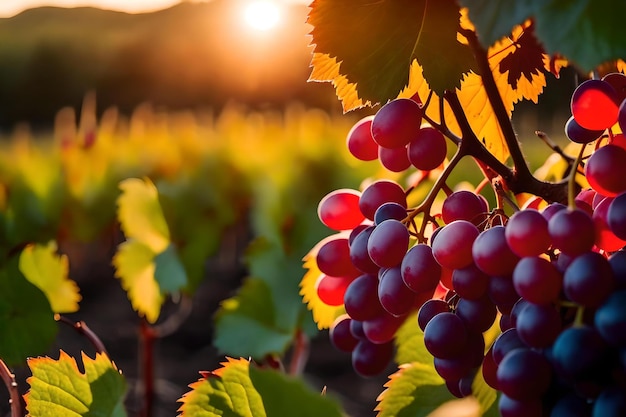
(397, 123)
(339, 209)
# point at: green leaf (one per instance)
(485, 395)
(586, 32)
(241, 390)
(42, 266)
(375, 43)
(409, 342)
(247, 324)
(26, 320)
(169, 272)
(414, 391)
(58, 388)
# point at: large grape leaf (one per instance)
(239, 389)
(47, 270)
(374, 43)
(586, 32)
(409, 341)
(26, 320)
(57, 387)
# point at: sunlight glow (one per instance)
(262, 15)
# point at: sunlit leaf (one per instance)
(414, 390)
(140, 214)
(485, 395)
(410, 346)
(26, 320)
(47, 270)
(135, 267)
(584, 31)
(326, 68)
(57, 387)
(239, 389)
(374, 42)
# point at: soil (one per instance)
(179, 355)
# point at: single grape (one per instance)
(524, 374)
(470, 282)
(378, 193)
(459, 366)
(478, 315)
(354, 232)
(420, 270)
(382, 328)
(492, 254)
(538, 325)
(361, 298)
(356, 328)
(577, 133)
(370, 359)
(610, 319)
(453, 246)
(360, 141)
(527, 233)
(395, 297)
(331, 290)
(445, 335)
(489, 370)
(610, 403)
(618, 265)
(595, 104)
(395, 160)
(339, 209)
(359, 256)
(340, 335)
(429, 310)
(551, 209)
(510, 407)
(572, 231)
(504, 343)
(389, 211)
(397, 123)
(427, 150)
(537, 280)
(588, 280)
(616, 216)
(577, 352)
(333, 258)
(605, 170)
(388, 243)
(571, 405)
(617, 80)
(464, 205)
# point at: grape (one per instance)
(616, 216)
(388, 243)
(395, 160)
(359, 256)
(395, 297)
(610, 403)
(621, 117)
(524, 374)
(537, 280)
(453, 247)
(429, 310)
(339, 209)
(420, 270)
(588, 280)
(572, 231)
(427, 150)
(594, 105)
(382, 328)
(389, 211)
(517, 308)
(478, 315)
(463, 205)
(340, 335)
(361, 298)
(510, 407)
(360, 141)
(470, 282)
(333, 258)
(332, 289)
(605, 170)
(356, 328)
(355, 232)
(489, 370)
(610, 319)
(492, 254)
(459, 366)
(527, 233)
(445, 335)
(378, 193)
(552, 209)
(505, 343)
(577, 351)
(619, 140)
(397, 123)
(538, 325)
(502, 292)
(605, 238)
(370, 359)
(618, 264)
(577, 133)
(617, 80)
(571, 405)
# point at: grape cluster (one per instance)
(552, 277)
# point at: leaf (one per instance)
(58, 388)
(584, 31)
(326, 68)
(374, 43)
(140, 214)
(135, 268)
(247, 325)
(47, 270)
(414, 390)
(410, 346)
(323, 314)
(26, 320)
(485, 395)
(169, 272)
(239, 389)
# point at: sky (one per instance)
(12, 7)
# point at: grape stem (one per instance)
(15, 399)
(571, 192)
(82, 328)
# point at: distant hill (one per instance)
(190, 55)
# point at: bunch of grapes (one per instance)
(551, 276)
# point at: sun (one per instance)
(262, 15)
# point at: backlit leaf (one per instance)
(326, 68)
(58, 388)
(42, 266)
(410, 346)
(140, 214)
(169, 272)
(375, 42)
(134, 266)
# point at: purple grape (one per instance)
(359, 256)
(463, 205)
(502, 292)
(340, 335)
(538, 325)
(420, 270)
(378, 193)
(577, 133)
(429, 310)
(356, 328)
(361, 298)
(389, 211)
(572, 231)
(618, 264)
(510, 407)
(616, 217)
(370, 359)
(588, 280)
(610, 319)
(445, 335)
(453, 247)
(537, 280)
(470, 282)
(578, 351)
(395, 297)
(492, 254)
(388, 243)
(333, 258)
(610, 403)
(571, 405)
(605, 170)
(478, 315)
(397, 123)
(427, 150)
(505, 343)
(524, 374)
(360, 141)
(382, 328)
(395, 160)
(527, 233)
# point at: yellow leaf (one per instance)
(323, 314)
(140, 214)
(326, 68)
(48, 271)
(135, 267)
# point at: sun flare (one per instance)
(262, 15)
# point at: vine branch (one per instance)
(14, 396)
(82, 328)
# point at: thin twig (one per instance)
(300, 353)
(82, 328)
(15, 400)
(147, 337)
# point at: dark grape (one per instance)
(463, 205)
(388, 243)
(502, 292)
(420, 270)
(429, 310)
(378, 193)
(595, 104)
(618, 265)
(340, 335)
(389, 211)
(397, 123)
(605, 170)
(588, 280)
(616, 216)
(524, 374)
(617, 80)
(537, 280)
(510, 407)
(571, 405)
(370, 359)
(359, 256)
(551, 209)
(339, 209)
(395, 297)
(453, 247)
(538, 325)
(492, 254)
(489, 370)
(504, 343)
(382, 328)
(360, 141)
(427, 150)
(577, 133)
(470, 282)
(572, 231)
(355, 232)
(610, 403)
(356, 328)
(361, 298)
(478, 315)
(527, 233)
(445, 335)
(577, 351)
(610, 319)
